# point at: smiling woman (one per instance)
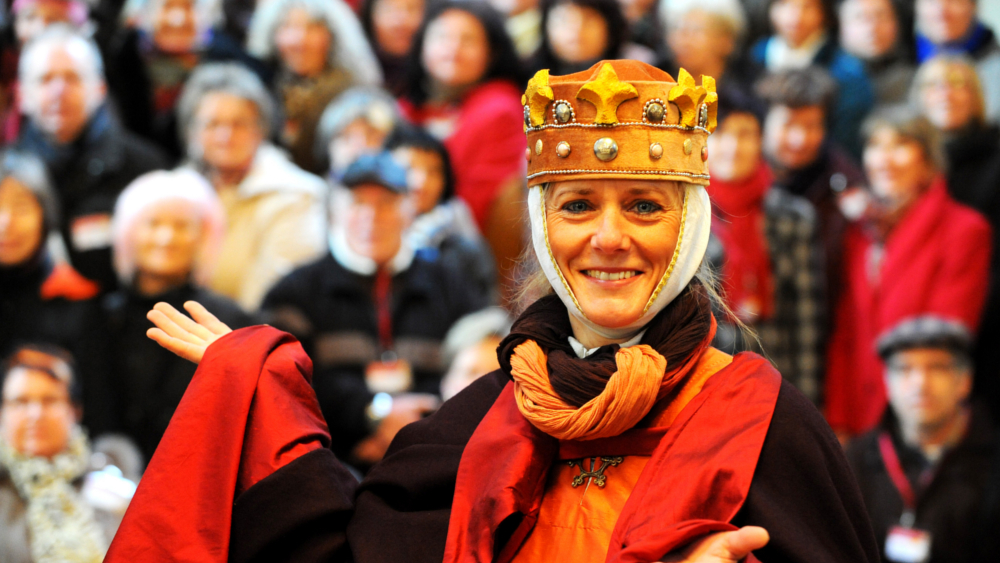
(612, 431)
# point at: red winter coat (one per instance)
(484, 135)
(936, 261)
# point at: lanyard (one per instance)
(896, 474)
(383, 308)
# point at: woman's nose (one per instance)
(610, 236)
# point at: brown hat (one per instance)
(619, 119)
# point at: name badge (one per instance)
(91, 232)
(389, 376)
(908, 545)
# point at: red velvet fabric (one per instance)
(486, 143)
(746, 272)
(244, 416)
(695, 482)
(936, 261)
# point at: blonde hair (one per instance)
(949, 63)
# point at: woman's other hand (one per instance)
(185, 337)
(723, 547)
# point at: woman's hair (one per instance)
(150, 190)
(29, 171)
(910, 125)
(349, 49)
(409, 136)
(504, 63)
(227, 78)
(729, 13)
(48, 359)
(800, 88)
(373, 104)
(951, 63)
(610, 10)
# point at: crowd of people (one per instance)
(353, 172)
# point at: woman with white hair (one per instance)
(319, 50)
(167, 232)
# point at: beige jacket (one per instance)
(274, 223)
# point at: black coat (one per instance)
(145, 382)
(960, 506)
(88, 175)
(331, 311)
(802, 492)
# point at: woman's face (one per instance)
(424, 176)
(868, 27)
(303, 43)
(699, 41)
(358, 138)
(167, 239)
(32, 19)
(797, 20)
(613, 241)
(227, 131)
(735, 148)
(456, 50)
(943, 21)
(376, 218)
(947, 98)
(395, 22)
(21, 223)
(175, 27)
(793, 137)
(37, 415)
(897, 168)
(576, 34)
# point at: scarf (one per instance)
(60, 524)
(746, 272)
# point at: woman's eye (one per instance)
(576, 206)
(646, 207)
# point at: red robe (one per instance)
(936, 261)
(486, 141)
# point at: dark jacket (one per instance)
(146, 382)
(331, 311)
(974, 179)
(88, 175)
(961, 505)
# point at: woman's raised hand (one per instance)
(185, 337)
(723, 547)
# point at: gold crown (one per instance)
(619, 119)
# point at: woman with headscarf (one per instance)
(916, 251)
(613, 431)
(319, 50)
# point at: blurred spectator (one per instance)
(372, 314)
(771, 273)
(443, 225)
(470, 348)
(31, 17)
(51, 508)
(320, 50)
(167, 230)
(390, 26)
(703, 37)
(357, 122)
(932, 464)
(870, 30)
(90, 158)
(41, 300)
(523, 21)
(805, 161)
(465, 90)
(916, 251)
(578, 33)
(149, 59)
(643, 27)
(948, 93)
(274, 209)
(805, 34)
(951, 26)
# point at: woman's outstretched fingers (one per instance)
(206, 319)
(167, 324)
(186, 350)
(183, 321)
